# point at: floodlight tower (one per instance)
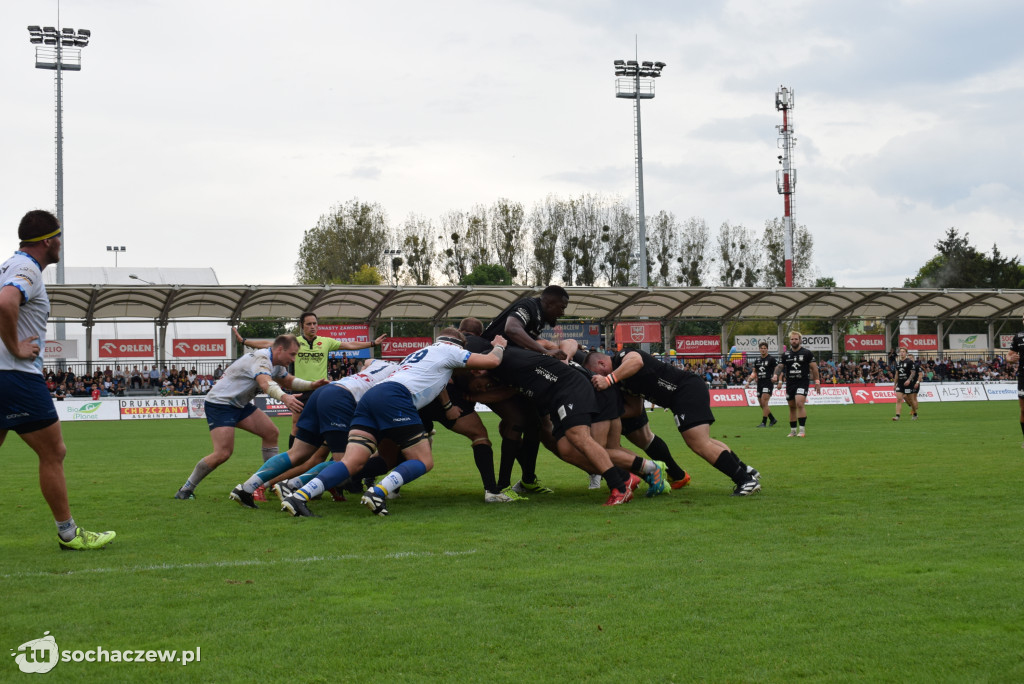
(60, 50)
(785, 178)
(636, 83)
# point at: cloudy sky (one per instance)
(212, 133)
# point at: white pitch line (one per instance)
(398, 555)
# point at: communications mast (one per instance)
(785, 178)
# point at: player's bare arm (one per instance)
(493, 358)
(252, 344)
(630, 366)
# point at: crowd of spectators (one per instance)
(117, 382)
(340, 368)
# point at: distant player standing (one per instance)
(764, 373)
(1016, 347)
(25, 404)
(907, 385)
(799, 368)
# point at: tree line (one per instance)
(588, 240)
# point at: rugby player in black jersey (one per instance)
(561, 392)
(686, 396)
(907, 385)
(764, 373)
(798, 366)
(521, 324)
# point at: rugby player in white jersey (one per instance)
(25, 404)
(390, 410)
(229, 404)
(325, 419)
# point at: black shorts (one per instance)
(764, 386)
(796, 387)
(691, 404)
(571, 404)
(608, 405)
(904, 389)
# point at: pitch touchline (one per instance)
(236, 564)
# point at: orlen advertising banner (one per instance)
(968, 341)
(698, 345)
(191, 347)
(730, 397)
(153, 408)
(400, 347)
(126, 349)
(348, 332)
(922, 342)
(68, 349)
(640, 331)
(864, 343)
(588, 334)
(85, 409)
(873, 394)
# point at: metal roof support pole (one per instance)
(781, 336)
(992, 346)
(162, 344)
(88, 348)
(940, 330)
(835, 339)
(888, 336)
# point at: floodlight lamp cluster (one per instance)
(66, 37)
(633, 68)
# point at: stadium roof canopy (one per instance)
(373, 304)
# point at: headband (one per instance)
(44, 237)
(452, 340)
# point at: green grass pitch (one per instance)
(877, 551)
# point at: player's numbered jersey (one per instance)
(238, 386)
(526, 311)
(426, 372)
(765, 367)
(905, 369)
(377, 371)
(797, 364)
(22, 272)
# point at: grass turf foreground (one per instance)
(877, 551)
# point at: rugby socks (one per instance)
(201, 471)
(66, 529)
(657, 450)
(374, 468)
(269, 452)
(764, 420)
(271, 469)
(771, 417)
(792, 425)
(483, 456)
(802, 421)
(642, 466)
(616, 478)
(730, 465)
(312, 472)
(403, 473)
(528, 458)
(509, 450)
(333, 474)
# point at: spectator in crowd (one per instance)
(95, 392)
(154, 378)
(136, 378)
(217, 372)
(60, 393)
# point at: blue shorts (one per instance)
(225, 415)
(384, 407)
(25, 403)
(326, 417)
